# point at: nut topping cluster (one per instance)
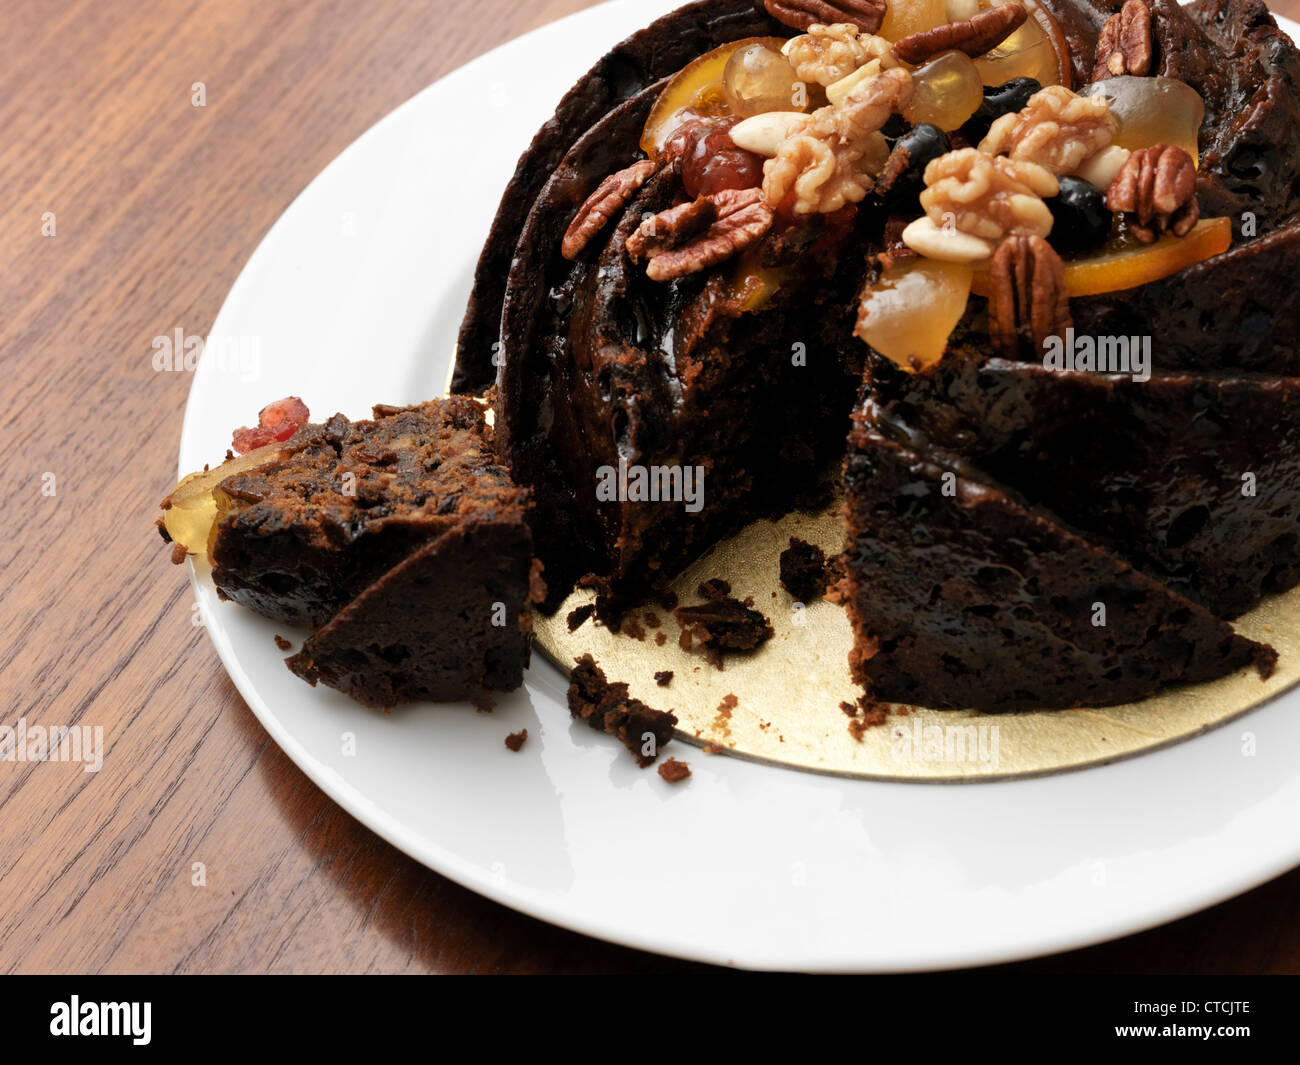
(975, 36)
(1155, 190)
(702, 233)
(1039, 171)
(988, 196)
(1125, 43)
(825, 54)
(866, 15)
(1027, 294)
(1057, 130)
(829, 161)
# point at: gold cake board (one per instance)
(788, 693)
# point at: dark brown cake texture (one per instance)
(963, 596)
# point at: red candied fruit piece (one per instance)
(276, 422)
(710, 161)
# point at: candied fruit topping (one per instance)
(275, 424)
(1034, 50)
(909, 312)
(946, 92)
(191, 509)
(1150, 111)
(1128, 264)
(757, 79)
(906, 17)
(697, 90)
(711, 161)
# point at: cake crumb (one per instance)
(634, 628)
(849, 709)
(578, 615)
(179, 554)
(607, 707)
(713, 748)
(664, 677)
(661, 638)
(651, 619)
(282, 643)
(803, 570)
(722, 625)
(714, 588)
(872, 716)
(673, 771)
(516, 739)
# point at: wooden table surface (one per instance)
(155, 205)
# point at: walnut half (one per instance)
(825, 54)
(830, 160)
(988, 196)
(1056, 129)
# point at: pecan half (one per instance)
(714, 229)
(611, 195)
(867, 15)
(1027, 294)
(975, 37)
(1155, 190)
(671, 228)
(1124, 45)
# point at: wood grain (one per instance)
(156, 206)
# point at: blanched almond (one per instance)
(1100, 169)
(764, 133)
(946, 245)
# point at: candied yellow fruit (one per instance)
(758, 79)
(946, 92)
(697, 90)
(1152, 111)
(908, 315)
(191, 509)
(904, 17)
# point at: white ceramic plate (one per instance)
(353, 298)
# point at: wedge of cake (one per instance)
(962, 595)
(401, 539)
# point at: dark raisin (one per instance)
(1080, 217)
(903, 178)
(999, 100)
